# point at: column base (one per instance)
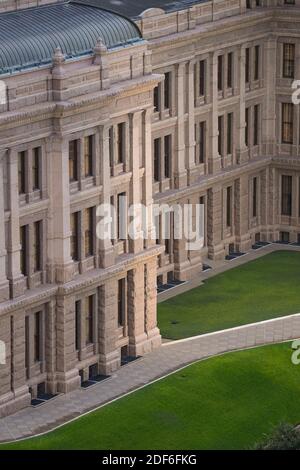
(180, 180)
(17, 286)
(14, 401)
(109, 363)
(243, 243)
(214, 164)
(143, 344)
(4, 290)
(67, 381)
(242, 156)
(216, 252)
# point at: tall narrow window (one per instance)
(89, 319)
(37, 233)
(88, 155)
(287, 123)
(77, 325)
(286, 194)
(23, 250)
(220, 134)
(156, 99)
(121, 302)
(21, 172)
(37, 336)
(156, 156)
(288, 60)
(167, 142)
(88, 231)
(247, 126)
(167, 90)
(228, 207)
(36, 161)
(27, 345)
(202, 77)
(247, 65)
(254, 197)
(122, 216)
(256, 62)
(229, 133)
(220, 72)
(202, 127)
(74, 236)
(111, 146)
(256, 125)
(230, 70)
(73, 160)
(121, 142)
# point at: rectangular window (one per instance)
(37, 336)
(167, 90)
(202, 127)
(247, 65)
(77, 324)
(89, 319)
(229, 133)
(247, 111)
(36, 162)
(121, 142)
(254, 197)
(256, 124)
(73, 160)
(288, 60)
(88, 222)
(230, 70)
(289, 2)
(27, 345)
(228, 207)
(202, 72)
(21, 172)
(23, 250)
(122, 216)
(37, 233)
(167, 142)
(286, 195)
(220, 134)
(220, 72)
(111, 146)
(287, 123)
(156, 99)
(156, 156)
(75, 236)
(88, 155)
(121, 302)
(256, 62)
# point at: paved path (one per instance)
(170, 357)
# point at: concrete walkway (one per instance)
(170, 357)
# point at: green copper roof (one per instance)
(29, 37)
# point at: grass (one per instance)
(259, 290)
(227, 402)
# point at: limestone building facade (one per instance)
(183, 102)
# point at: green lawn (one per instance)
(265, 288)
(227, 402)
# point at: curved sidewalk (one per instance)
(169, 358)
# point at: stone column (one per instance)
(5, 369)
(4, 285)
(216, 250)
(50, 346)
(181, 261)
(109, 354)
(17, 281)
(191, 121)
(106, 251)
(67, 375)
(59, 231)
(242, 151)
(241, 216)
(135, 122)
(269, 103)
(180, 176)
(147, 197)
(214, 159)
(19, 386)
(152, 330)
(136, 311)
